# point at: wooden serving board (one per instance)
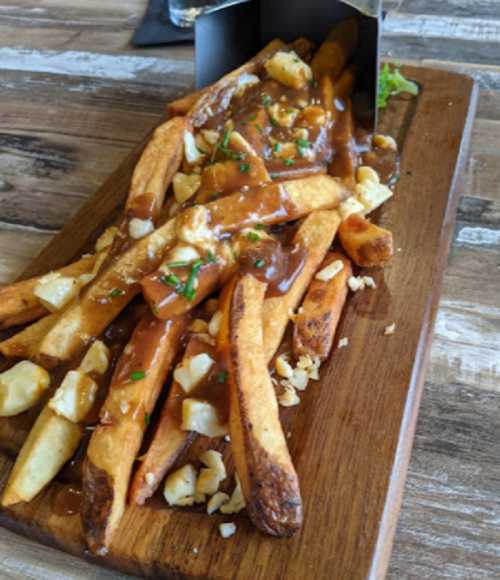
(351, 436)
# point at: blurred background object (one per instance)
(184, 12)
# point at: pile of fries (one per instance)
(226, 238)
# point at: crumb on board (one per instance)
(390, 329)
(343, 342)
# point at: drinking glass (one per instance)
(184, 12)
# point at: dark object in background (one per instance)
(156, 27)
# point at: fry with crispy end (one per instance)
(365, 243)
(25, 343)
(317, 320)
(51, 442)
(136, 384)
(18, 303)
(115, 287)
(336, 50)
(169, 439)
(315, 235)
(152, 176)
(268, 479)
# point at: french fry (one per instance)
(317, 320)
(115, 287)
(25, 343)
(152, 176)
(345, 160)
(182, 105)
(18, 303)
(268, 479)
(336, 50)
(315, 235)
(342, 87)
(57, 432)
(51, 442)
(169, 439)
(365, 243)
(136, 384)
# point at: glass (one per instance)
(184, 12)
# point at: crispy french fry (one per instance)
(152, 176)
(336, 50)
(342, 87)
(18, 303)
(169, 439)
(365, 243)
(51, 442)
(136, 384)
(345, 160)
(115, 287)
(268, 479)
(317, 320)
(315, 235)
(25, 343)
(153, 173)
(182, 105)
(57, 432)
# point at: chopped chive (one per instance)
(274, 123)
(259, 226)
(189, 291)
(116, 292)
(178, 264)
(216, 193)
(225, 138)
(171, 280)
(252, 118)
(313, 83)
(221, 377)
(211, 258)
(303, 143)
(147, 419)
(253, 237)
(259, 128)
(266, 99)
(259, 263)
(289, 111)
(288, 162)
(155, 310)
(137, 375)
(277, 147)
(244, 167)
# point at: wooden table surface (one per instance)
(75, 98)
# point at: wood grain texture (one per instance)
(365, 429)
(429, 537)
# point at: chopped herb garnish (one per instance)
(252, 118)
(171, 280)
(253, 237)
(303, 143)
(289, 111)
(288, 162)
(178, 264)
(392, 83)
(137, 375)
(155, 310)
(259, 263)
(221, 377)
(211, 258)
(216, 193)
(147, 419)
(189, 291)
(296, 60)
(266, 99)
(259, 128)
(313, 83)
(277, 147)
(273, 121)
(244, 167)
(116, 292)
(225, 138)
(260, 226)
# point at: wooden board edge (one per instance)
(387, 529)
